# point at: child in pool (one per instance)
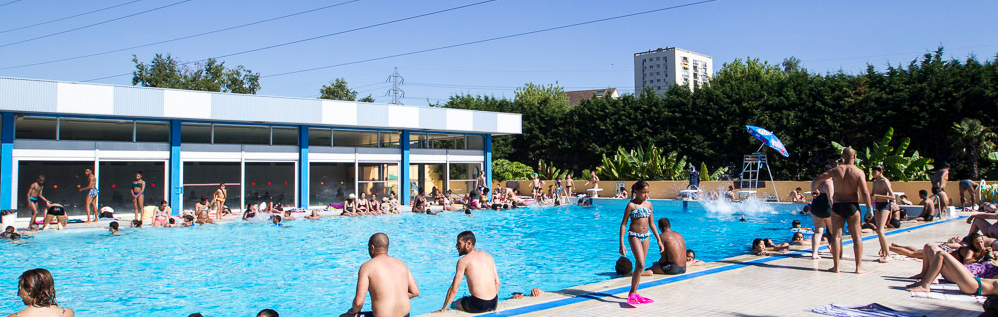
(639, 211)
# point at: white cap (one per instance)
(352, 196)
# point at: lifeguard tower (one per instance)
(752, 166)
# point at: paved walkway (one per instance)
(774, 286)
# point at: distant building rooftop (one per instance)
(576, 97)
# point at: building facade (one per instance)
(661, 68)
(300, 152)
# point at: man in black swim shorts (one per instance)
(673, 260)
(55, 211)
(479, 268)
(849, 187)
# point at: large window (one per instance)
(378, 179)
(270, 182)
(150, 131)
(116, 184)
(330, 183)
(351, 138)
(203, 178)
(389, 139)
(42, 128)
(463, 177)
(195, 133)
(63, 181)
(101, 130)
(320, 137)
(425, 177)
(236, 134)
(285, 136)
(475, 142)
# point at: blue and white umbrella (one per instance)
(768, 138)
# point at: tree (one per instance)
(338, 90)
(974, 141)
(211, 75)
(366, 99)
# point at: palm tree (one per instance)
(973, 140)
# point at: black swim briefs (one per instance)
(56, 211)
(475, 305)
(883, 206)
(845, 210)
(821, 207)
(672, 269)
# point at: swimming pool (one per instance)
(308, 268)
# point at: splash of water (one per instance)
(749, 206)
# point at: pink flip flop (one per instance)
(643, 300)
(633, 299)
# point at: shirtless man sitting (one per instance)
(483, 278)
(387, 279)
(928, 206)
(673, 260)
(849, 184)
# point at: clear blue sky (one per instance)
(826, 35)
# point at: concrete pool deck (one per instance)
(782, 285)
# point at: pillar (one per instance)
(7, 160)
(487, 165)
(404, 183)
(303, 166)
(175, 182)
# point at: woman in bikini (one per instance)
(941, 262)
(138, 193)
(974, 252)
(639, 211)
(362, 204)
(350, 206)
(201, 210)
(37, 291)
(162, 214)
(220, 195)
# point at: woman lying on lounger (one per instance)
(764, 246)
(972, 253)
(941, 262)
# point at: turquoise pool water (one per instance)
(308, 268)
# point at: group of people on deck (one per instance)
(353, 206)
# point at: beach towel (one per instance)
(871, 310)
(949, 292)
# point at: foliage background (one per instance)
(921, 100)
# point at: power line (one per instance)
(491, 39)
(69, 17)
(3, 4)
(179, 38)
(322, 36)
(523, 70)
(95, 24)
(396, 91)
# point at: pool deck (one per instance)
(782, 285)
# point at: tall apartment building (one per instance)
(661, 68)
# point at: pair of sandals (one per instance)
(634, 299)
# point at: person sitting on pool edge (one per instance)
(386, 276)
(36, 288)
(250, 212)
(479, 268)
(673, 256)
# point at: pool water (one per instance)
(309, 268)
